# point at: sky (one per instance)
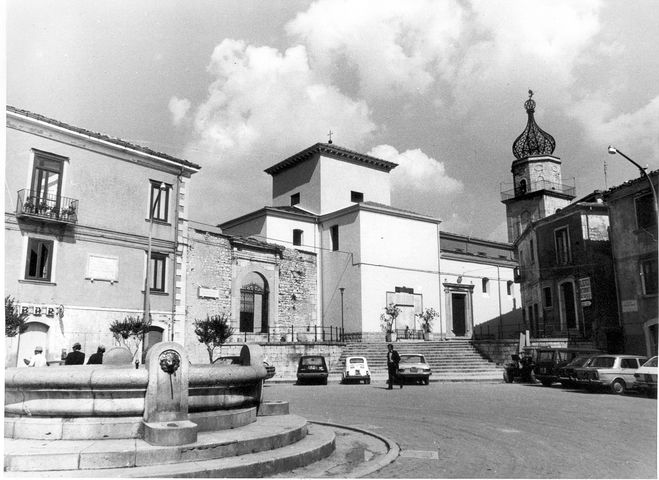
(437, 86)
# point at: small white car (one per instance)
(646, 378)
(356, 370)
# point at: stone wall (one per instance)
(297, 299)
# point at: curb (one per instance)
(389, 457)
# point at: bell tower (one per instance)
(538, 189)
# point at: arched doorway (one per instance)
(568, 306)
(36, 334)
(254, 295)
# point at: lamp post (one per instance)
(147, 280)
(341, 289)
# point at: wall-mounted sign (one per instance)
(629, 306)
(102, 267)
(206, 292)
(584, 289)
(39, 309)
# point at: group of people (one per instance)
(75, 357)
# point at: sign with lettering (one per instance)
(629, 306)
(584, 289)
(206, 292)
(102, 267)
(39, 309)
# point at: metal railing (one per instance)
(305, 333)
(537, 186)
(47, 207)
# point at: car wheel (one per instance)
(367, 381)
(507, 377)
(546, 383)
(426, 381)
(324, 381)
(618, 386)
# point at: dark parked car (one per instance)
(567, 375)
(312, 368)
(550, 360)
(521, 368)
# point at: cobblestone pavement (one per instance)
(482, 430)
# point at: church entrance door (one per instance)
(458, 302)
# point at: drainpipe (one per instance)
(439, 283)
(176, 245)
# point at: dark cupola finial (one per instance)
(533, 140)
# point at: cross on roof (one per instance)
(330, 136)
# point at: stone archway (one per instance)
(459, 310)
(254, 304)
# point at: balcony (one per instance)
(567, 190)
(48, 208)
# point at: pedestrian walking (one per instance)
(76, 357)
(37, 360)
(97, 358)
(392, 366)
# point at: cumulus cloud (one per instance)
(395, 47)
(263, 98)
(179, 107)
(418, 171)
(638, 128)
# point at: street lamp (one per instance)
(147, 280)
(341, 289)
(613, 151)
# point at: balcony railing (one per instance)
(536, 187)
(51, 208)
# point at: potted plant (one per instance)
(388, 322)
(28, 206)
(427, 317)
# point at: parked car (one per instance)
(550, 360)
(567, 375)
(615, 372)
(356, 370)
(413, 367)
(646, 378)
(312, 368)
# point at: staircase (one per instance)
(451, 360)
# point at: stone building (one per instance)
(634, 243)
(81, 210)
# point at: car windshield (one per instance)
(603, 362)
(579, 362)
(357, 360)
(412, 359)
(651, 363)
(312, 361)
(546, 356)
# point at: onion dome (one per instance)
(533, 140)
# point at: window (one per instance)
(158, 266)
(39, 259)
(485, 283)
(334, 235)
(644, 211)
(629, 363)
(297, 236)
(532, 252)
(562, 243)
(509, 287)
(159, 201)
(649, 276)
(295, 199)
(356, 196)
(46, 180)
(546, 292)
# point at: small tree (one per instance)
(129, 332)
(14, 321)
(388, 318)
(427, 316)
(213, 332)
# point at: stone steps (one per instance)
(448, 360)
(269, 445)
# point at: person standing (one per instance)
(37, 360)
(76, 357)
(392, 366)
(97, 358)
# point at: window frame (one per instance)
(566, 257)
(158, 258)
(485, 285)
(28, 259)
(295, 199)
(356, 197)
(510, 285)
(37, 178)
(646, 214)
(645, 274)
(550, 303)
(298, 237)
(156, 214)
(334, 237)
